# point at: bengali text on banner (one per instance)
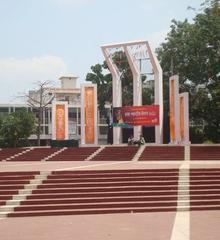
(147, 115)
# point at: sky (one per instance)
(46, 39)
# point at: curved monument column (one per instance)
(137, 87)
(116, 92)
(158, 92)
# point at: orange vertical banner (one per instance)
(60, 122)
(172, 112)
(182, 127)
(89, 116)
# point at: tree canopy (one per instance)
(192, 51)
(103, 81)
(17, 127)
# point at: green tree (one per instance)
(192, 51)
(1, 122)
(103, 81)
(17, 127)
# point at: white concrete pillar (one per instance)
(117, 102)
(158, 92)
(116, 91)
(137, 87)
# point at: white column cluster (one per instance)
(137, 85)
(179, 114)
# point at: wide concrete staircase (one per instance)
(74, 154)
(7, 153)
(46, 154)
(97, 192)
(162, 153)
(205, 153)
(36, 154)
(205, 189)
(112, 153)
(108, 191)
(116, 153)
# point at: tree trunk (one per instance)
(39, 126)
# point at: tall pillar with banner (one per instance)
(184, 117)
(174, 109)
(60, 121)
(89, 124)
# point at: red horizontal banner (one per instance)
(147, 115)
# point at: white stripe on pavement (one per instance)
(181, 227)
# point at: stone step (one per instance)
(97, 200)
(87, 211)
(183, 201)
(106, 211)
(89, 206)
(117, 189)
(111, 204)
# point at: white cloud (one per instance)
(19, 75)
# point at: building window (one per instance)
(79, 130)
(4, 111)
(47, 113)
(79, 115)
(18, 109)
(46, 130)
(72, 114)
(103, 130)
